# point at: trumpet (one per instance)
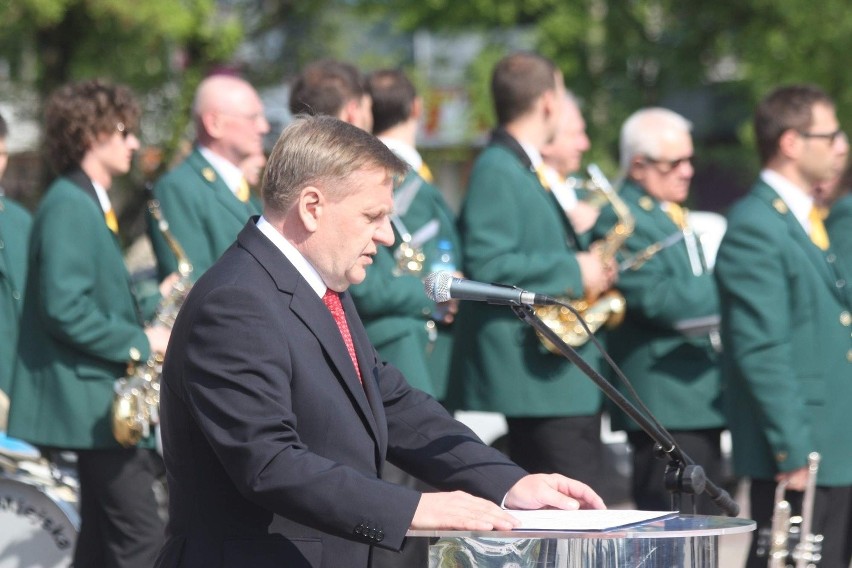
(607, 309)
(791, 537)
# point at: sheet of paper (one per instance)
(584, 520)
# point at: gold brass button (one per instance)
(846, 318)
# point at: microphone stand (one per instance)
(682, 474)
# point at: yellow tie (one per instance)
(111, 220)
(542, 178)
(243, 191)
(819, 236)
(677, 214)
(425, 172)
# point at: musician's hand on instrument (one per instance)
(460, 511)
(158, 337)
(552, 491)
(583, 216)
(797, 479)
(593, 274)
(168, 283)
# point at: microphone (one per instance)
(443, 286)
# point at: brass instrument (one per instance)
(409, 259)
(790, 538)
(607, 309)
(136, 403)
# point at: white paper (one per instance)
(584, 520)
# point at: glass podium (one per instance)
(688, 541)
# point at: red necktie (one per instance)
(331, 299)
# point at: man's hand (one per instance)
(596, 276)
(552, 491)
(797, 479)
(460, 511)
(158, 337)
(583, 216)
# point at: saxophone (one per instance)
(136, 402)
(607, 309)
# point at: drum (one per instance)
(38, 520)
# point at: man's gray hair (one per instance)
(322, 151)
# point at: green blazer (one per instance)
(203, 214)
(514, 232)
(82, 324)
(394, 307)
(676, 376)
(839, 227)
(787, 351)
(15, 223)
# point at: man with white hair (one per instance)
(672, 363)
(206, 199)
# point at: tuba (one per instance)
(136, 402)
(607, 309)
(790, 538)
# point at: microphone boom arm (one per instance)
(689, 477)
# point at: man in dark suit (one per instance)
(672, 363)
(787, 354)
(84, 324)
(277, 413)
(514, 232)
(206, 199)
(15, 223)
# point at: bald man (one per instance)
(206, 199)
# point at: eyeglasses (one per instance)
(125, 132)
(666, 166)
(832, 137)
(253, 117)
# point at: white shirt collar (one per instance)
(407, 153)
(301, 263)
(563, 188)
(231, 174)
(103, 196)
(799, 202)
(533, 154)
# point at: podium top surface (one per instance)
(681, 526)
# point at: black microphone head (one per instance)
(437, 286)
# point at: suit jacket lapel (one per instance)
(311, 310)
(817, 257)
(220, 192)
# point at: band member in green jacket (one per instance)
(668, 344)
(15, 223)
(514, 232)
(84, 323)
(407, 328)
(206, 199)
(786, 322)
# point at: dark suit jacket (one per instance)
(204, 215)
(787, 353)
(273, 449)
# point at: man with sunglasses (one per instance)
(786, 322)
(665, 345)
(206, 199)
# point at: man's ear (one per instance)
(789, 143)
(212, 123)
(417, 108)
(637, 169)
(351, 111)
(311, 206)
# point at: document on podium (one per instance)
(585, 520)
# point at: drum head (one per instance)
(37, 530)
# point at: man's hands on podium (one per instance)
(461, 511)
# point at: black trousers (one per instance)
(570, 445)
(648, 484)
(119, 523)
(831, 518)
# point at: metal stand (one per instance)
(682, 474)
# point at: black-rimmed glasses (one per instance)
(832, 137)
